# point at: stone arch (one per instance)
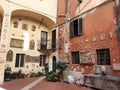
(9, 56)
(54, 61)
(1, 18)
(27, 14)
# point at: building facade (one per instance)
(84, 33)
(87, 35)
(28, 35)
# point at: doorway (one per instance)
(54, 64)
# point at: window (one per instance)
(24, 26)
(53, 39)
(19, 60)
(42, 60)
(103, 57)
(44, 40)
(75, 58)
(76, 27)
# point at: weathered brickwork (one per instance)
(99, 25)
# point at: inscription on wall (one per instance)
(116, 66)
(33, 59)
(86, 58)
(16, 43)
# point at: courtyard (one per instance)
(39, 84)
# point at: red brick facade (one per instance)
(99, 25)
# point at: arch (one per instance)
(42, 19)
(32, 44)
(1, 11)
(1, 18)
(54, 60)
(9, 56)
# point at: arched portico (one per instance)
(52, 63)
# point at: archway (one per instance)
(54, 63)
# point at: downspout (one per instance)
(116, 12)
(66, 18)
(66, 31)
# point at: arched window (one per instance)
(9, 56)
(32, 44)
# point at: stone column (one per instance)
(3, 44)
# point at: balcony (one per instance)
(46, 45)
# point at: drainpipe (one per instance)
(67, 9)
(116, 12)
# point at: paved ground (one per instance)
(39, 84)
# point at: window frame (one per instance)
(44, 39)
(103, 54)
(19, 58)
(76, 24)
(42, 60)
(75, 57)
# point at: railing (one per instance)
(46, 45)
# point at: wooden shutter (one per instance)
(80, 28)
(17, 60)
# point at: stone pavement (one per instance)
(39, 84)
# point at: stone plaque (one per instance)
(16, 43)
(102, 36)
(33, 59)
(116, 66)
(86, 57)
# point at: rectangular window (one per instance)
(44, 40)
(42, 60)
(76, 27)
(75, 58)
(53, 39)
(19, 60)
(103, 57)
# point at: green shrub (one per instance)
(61, 66)
(38, 74)
(52, 76)
(14, 75)
(21, 75)
(17, 75)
